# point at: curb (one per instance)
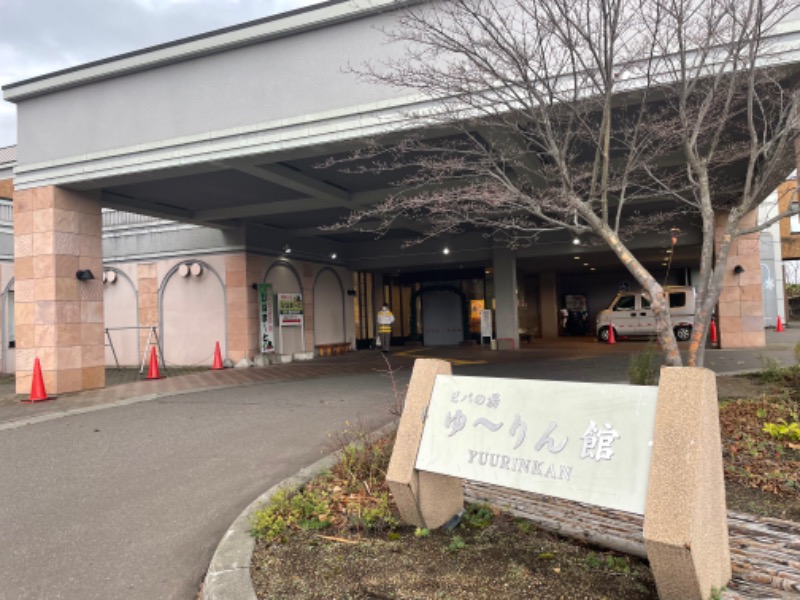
(228, 575)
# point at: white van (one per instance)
(631, 315)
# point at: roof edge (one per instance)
(251, 32)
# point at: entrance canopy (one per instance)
(230, 130)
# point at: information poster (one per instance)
(290, 310)
(265, 318)
(475, 308)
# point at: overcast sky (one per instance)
(42, 36)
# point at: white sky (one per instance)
(42, 36)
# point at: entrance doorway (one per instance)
(442, 322)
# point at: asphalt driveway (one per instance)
(128, 500)
(129, 503)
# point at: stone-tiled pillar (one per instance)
(237, 296)
(241, 272)
(740, 312)
(308, 306)
(147, 286)
(59, 319)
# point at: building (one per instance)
(210, 149)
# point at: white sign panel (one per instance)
(586, 442)
(290, 310)
(486, 323)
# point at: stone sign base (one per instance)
(685, 519)
(423, 499)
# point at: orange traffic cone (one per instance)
(217, 359)
(714, 339)
(779, 325)
(611, 338)
(153, 372)
(38, 393)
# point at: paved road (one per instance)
(129, 503)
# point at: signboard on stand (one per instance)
(290, 314)
(290, 310)
(486, 324)
(267, 338)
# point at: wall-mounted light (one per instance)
(84, 275)
(738, 269)
(445, 250)
(196, 269)
(109, 276)
(333, 255)
(576, 241)
(286, 249)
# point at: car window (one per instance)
(645, 302)
(626, 303)
(677, 299)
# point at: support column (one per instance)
(505, 294)
(308, 307)
(147, 295)
(377, 300)
(59, 319)
(548, 305)
(740, 311)
(243, 327)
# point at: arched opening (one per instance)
(329, 315)
(284, 279)
(193, 314)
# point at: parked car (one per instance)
(631, 315)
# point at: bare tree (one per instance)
(601, 117)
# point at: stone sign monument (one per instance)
(645, 450)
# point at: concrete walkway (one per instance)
(576, 359)
(125, 492)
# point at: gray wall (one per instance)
(169, 240)
(287, 77)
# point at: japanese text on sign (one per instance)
(585, 442)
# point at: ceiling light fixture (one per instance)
(286, 249)
(333, 255)
(446, 250)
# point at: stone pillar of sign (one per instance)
(548, 305)
(147, 287)
(505, 294)
(59, 319)
(740, 312)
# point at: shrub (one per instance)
(643, 367)
(783, 430)
(290, 509)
